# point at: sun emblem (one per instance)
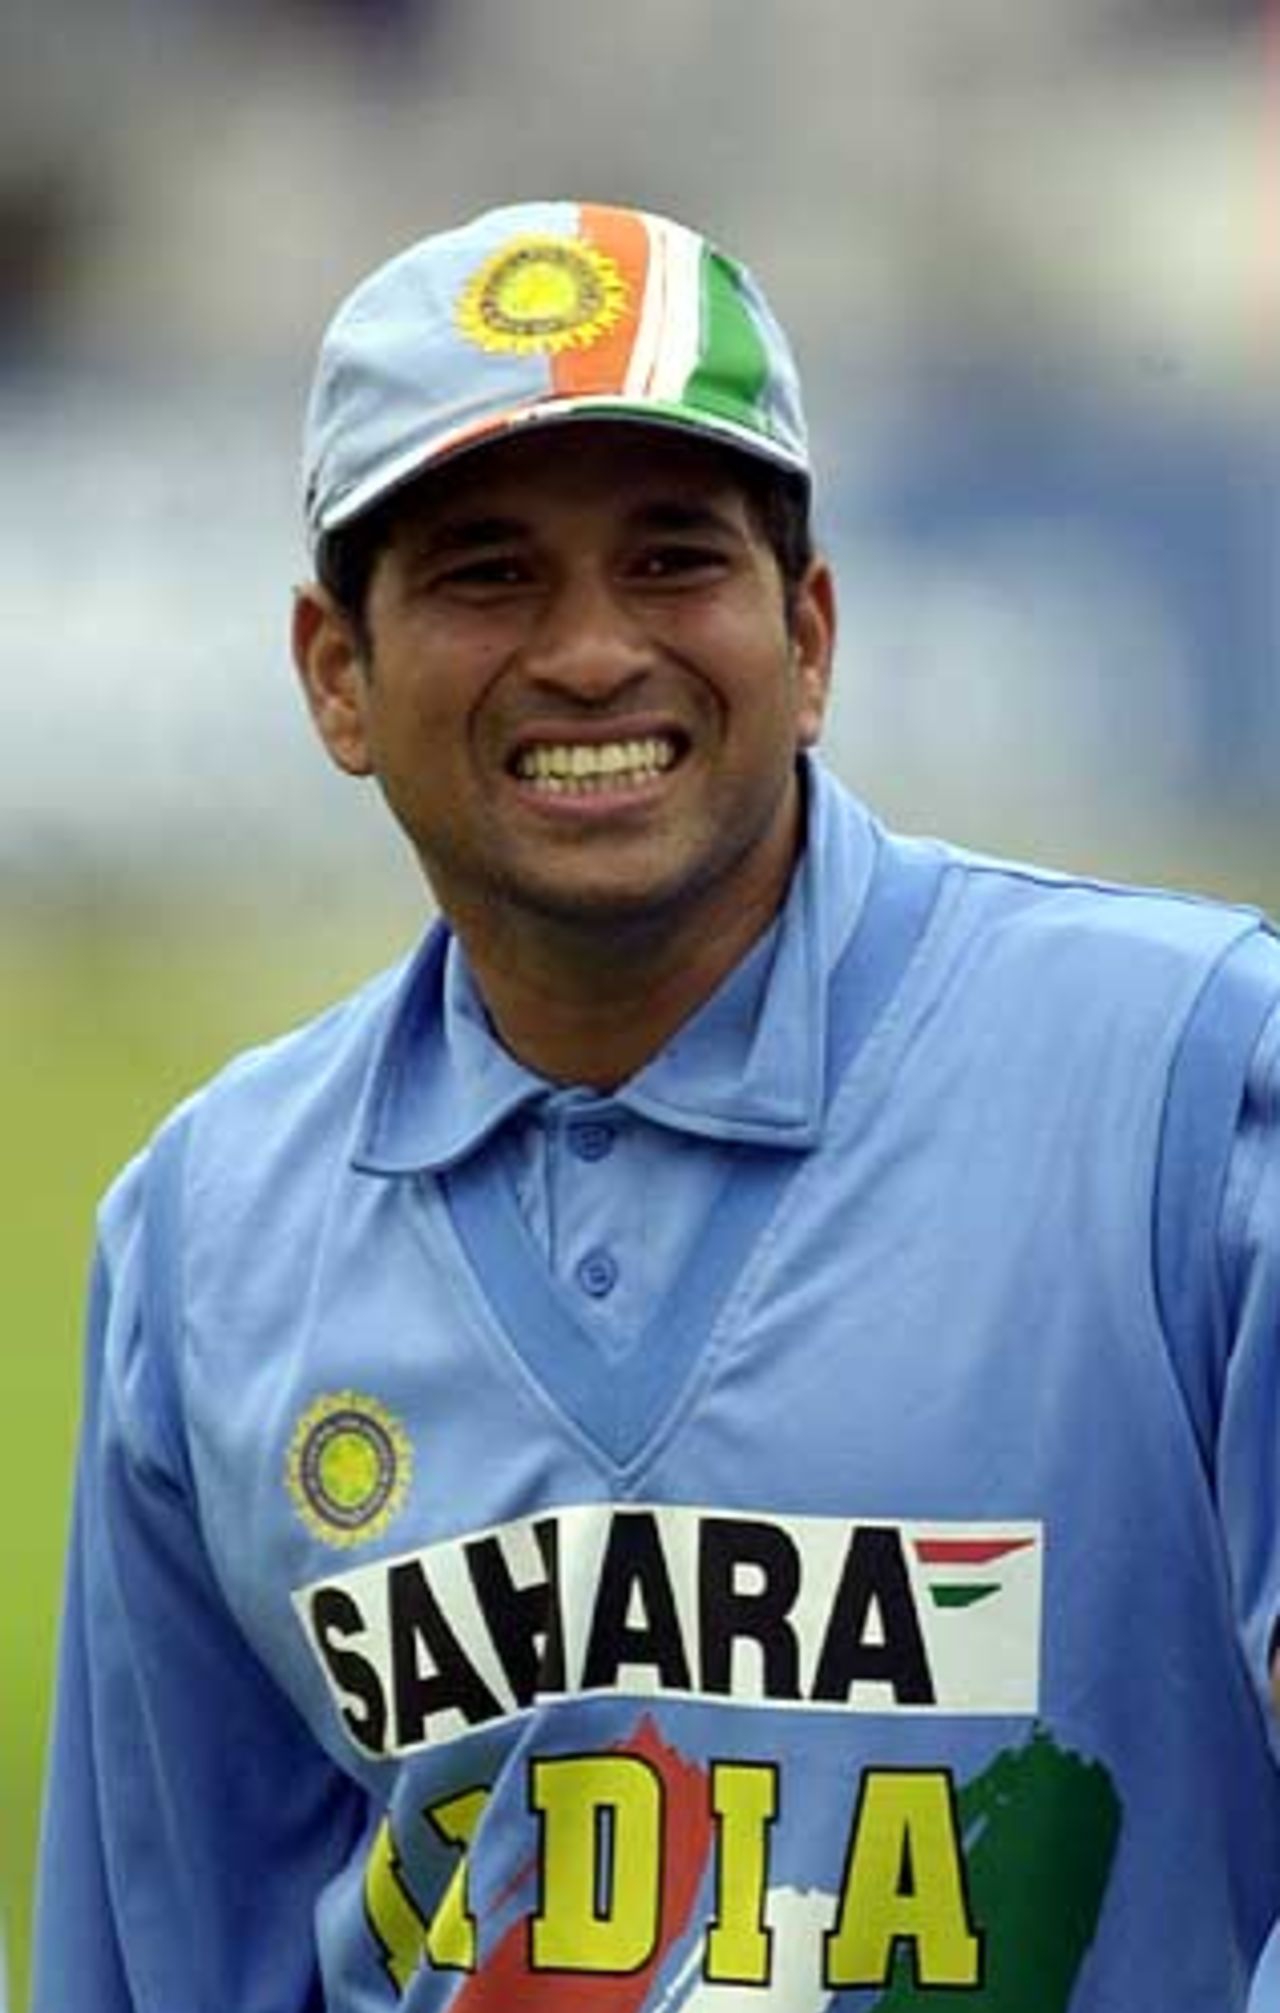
(538, 295)
(348, 1468)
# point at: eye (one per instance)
(487, 573)
(679, 560)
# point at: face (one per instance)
(581, 695)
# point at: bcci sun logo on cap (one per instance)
(543, 294)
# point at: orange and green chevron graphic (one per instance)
(1040, 1831)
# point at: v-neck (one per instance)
(620, 1393)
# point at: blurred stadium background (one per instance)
(1031, 257)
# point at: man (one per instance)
(712, 1440)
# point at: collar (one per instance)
(748, 1066)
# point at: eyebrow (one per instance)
(463, 534)
(664, 515)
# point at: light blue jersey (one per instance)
(880, 1619)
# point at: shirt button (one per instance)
(597, 1274)
(591, 1139)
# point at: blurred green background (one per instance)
(105, 1021)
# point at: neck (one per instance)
(587, 1006)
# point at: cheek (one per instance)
(451, 688)
(744, 652)
(775, 692)
(408, 744)
(417, 701)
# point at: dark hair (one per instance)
(779, 501)
(777, 498)
(346, 558)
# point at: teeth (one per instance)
(589, 766)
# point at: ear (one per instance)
(334, 675)
(813, 637)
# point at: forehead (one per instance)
(615, 465)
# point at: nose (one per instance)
(587, 642)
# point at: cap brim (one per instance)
(543, 415)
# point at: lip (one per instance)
(593, 734)
(584, 807)
(608, 795)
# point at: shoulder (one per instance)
(1051, 977)
(997, 912)
(1054, 900)
(1106, 944)
(1013, 962)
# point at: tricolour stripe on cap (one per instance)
(601, 366)
(677, 337)
(640, 369)
(734, 368)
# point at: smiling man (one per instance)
(582, 685)
(711, 1440)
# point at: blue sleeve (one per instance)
(1218, 1267)
(1218, 1278)
(1195, 1267)
(1249, 1433)
(190, 1821)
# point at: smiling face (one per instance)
(580, 691)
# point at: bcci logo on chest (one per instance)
(348, 1468)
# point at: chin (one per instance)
(607, 901)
